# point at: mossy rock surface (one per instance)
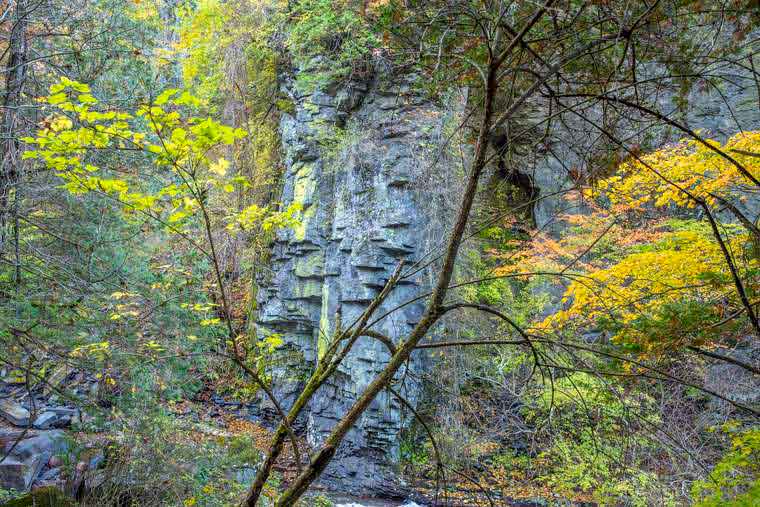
(43, 497)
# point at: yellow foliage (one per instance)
(586, 243)
(98, 350)
(659, 283)
(688, 165)
(684, 265)
(181, 148)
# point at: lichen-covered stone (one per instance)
(42, 497)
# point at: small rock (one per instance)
(46, 420)
(51, 474)
(55, 461)
(96, 460)
(13, 412)
(245, 475)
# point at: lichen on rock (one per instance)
(366, 197)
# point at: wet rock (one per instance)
(13, 412)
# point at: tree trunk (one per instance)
(15, 76)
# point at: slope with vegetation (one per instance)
(465, 252)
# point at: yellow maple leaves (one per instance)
(182, 147)
(651, 295)
(665, 176)
(219, 167)
(632, 296)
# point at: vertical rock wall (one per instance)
(729, 103)
(365, 163)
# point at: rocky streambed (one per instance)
(34, 445)
(43, 447)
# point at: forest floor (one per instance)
(460, 491)
(209, 416)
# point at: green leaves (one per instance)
(178, 144)
(325, 27)
(734, 480)
(165, 96)
(271, 342)
(57, 98)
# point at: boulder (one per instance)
(45, 420)
(13, 412)
(19, 474)
(53, 418)
(47, 443)
(22, 466)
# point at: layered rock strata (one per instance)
(367, 164)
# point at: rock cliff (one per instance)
(365, 161)
(369, 164)
(718, 106)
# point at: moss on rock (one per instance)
(42, 497)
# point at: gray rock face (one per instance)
(733, 381)
(364, 162)
(720, 108)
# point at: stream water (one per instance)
(349, 501)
